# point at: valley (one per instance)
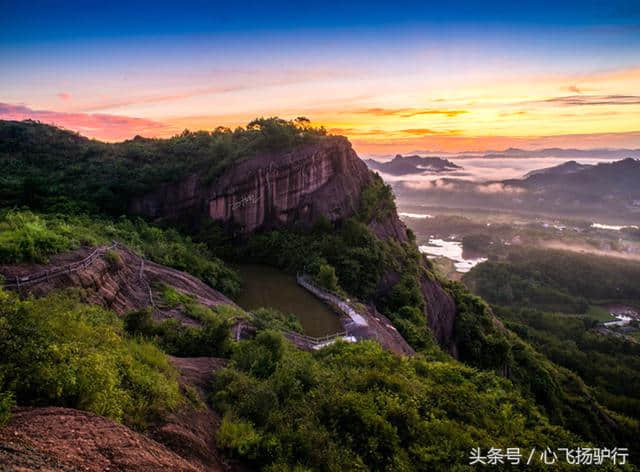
(205, 305)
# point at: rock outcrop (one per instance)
(64, 439)
(324, 179)
(122, 282)
(268, 190)
(53, 438)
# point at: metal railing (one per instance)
(48, 274)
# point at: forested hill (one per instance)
(47, 167)
(304, 202)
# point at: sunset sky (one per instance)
(392, 76)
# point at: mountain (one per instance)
(160, 343)
(404, 165)
(569, 167)
(608, 190)
(269, 190)
(554, 152)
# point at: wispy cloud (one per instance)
(64, 96)
(96, 125)
(408, 112)
(428, 131)
(581, 100)
(399, 132)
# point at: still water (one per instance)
(265, 286)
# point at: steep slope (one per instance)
(115, 278)
(313, 207)
(54, 438)
(64, 439)
(268, 190)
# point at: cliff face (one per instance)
(269, 190)
(273, 190)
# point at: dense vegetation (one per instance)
(553, 280)
(609, 364)
(211, 339)
(345, 407)
(553, 286)
(58, 351)
(349, 258)
(369, 409)
(49, 168)
(30, 237)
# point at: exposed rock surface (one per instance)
(121, 286)
(268, 190)
(441, 313)
(273, 190)
(191, 431)
(63, 439)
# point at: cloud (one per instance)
(428, 131)
(580, 100)
(431, 185)
(498, 188)
(64, 96)
(96, 125)
(408, 112)
(391, 133)
(458, 143)
(358, 132)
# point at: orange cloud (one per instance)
(101, 126)
(408, 112)
(427, 131)
(453, 143)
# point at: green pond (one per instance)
(265, 286)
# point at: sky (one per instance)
(392, 76)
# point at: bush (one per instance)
(114, 261)
(212, 339)
(57, 351)
(30, 237)
(271, 319)
(367, 408)
(6, 404)
(327, 278)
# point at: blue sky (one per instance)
(163, 66)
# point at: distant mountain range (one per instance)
(556, 152)
(603, 189)
(404, 165)
(570, 167)
(524, 153)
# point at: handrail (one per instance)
(57, 271)
(303, 337)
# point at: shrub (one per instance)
(212, 339)
(6, 403)
(269, 318)
(57, 351)
(114, 261)
(358, 407)
(30, 237)
(327, 278)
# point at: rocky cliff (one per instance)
(268, 190)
